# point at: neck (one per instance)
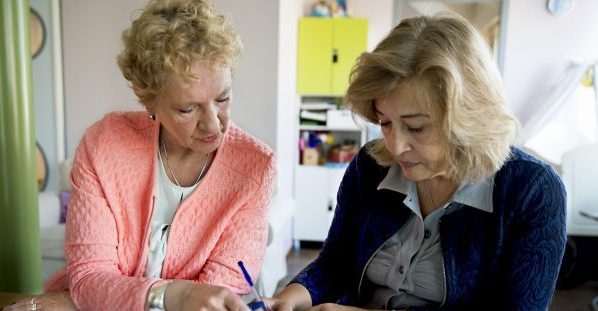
(177, 152)
(434, 193)
(183, 168)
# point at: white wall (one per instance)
(93, 84)
(539, 45)
(255, 81)
(288, 100)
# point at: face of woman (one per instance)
(410, 131)
(195, 115)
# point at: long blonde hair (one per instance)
(451, 57)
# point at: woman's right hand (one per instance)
(183, 295)
(52, 301)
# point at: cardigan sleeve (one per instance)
(244, 238)
(95, 280)
(537, 243)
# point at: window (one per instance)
(569, 118)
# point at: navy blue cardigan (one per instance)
(505, 260)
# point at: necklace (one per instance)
(203, 168)
(427, 183)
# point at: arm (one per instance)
(95, 280)
(537, 243)
(292, 297)
(244, 238)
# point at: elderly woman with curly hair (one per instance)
(442, 213)
(165, 202)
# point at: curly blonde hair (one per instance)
(168, 37)
(449, 57)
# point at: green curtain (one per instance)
(20, 259)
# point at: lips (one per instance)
(209, 139)
(406, 164)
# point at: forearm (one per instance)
(296, 296)
(95, 289)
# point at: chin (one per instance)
(411, 175)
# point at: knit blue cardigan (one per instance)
(505, 260)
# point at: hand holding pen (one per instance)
(257, 302)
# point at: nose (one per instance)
(398, 142)
(208, 120)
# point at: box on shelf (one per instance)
(342, 153)
(311, 156)
(341, 118)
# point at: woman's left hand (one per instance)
(54, 301)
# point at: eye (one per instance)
(384, 124)
(186, 111)
(415, 130)
(223, 100)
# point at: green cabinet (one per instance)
(328, 48)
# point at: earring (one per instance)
(152, 116)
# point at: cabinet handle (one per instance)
(334, 56)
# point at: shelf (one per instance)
(328, 128)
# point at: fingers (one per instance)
(26, 304)
(277, 305)
(233, 302)
(52, 301)
(206, 297)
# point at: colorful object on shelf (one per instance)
(314, 140)
(311, 156)
(338, 10)
(320, 9)
(343, 153)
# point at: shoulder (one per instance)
(115, 136)
(120, 127)
(246, 154)
(528, 184)
(523, 167)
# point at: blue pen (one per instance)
(258, 303)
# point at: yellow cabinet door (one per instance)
(327, 50)
(350, 40)
(314, 58)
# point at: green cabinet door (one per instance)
(350, 40)
(314, 65)
(327, 50)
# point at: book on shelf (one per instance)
(311, 115)
(317, 106)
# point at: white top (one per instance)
(167, 202)
(409, 267)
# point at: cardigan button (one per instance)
(427, 234)
(402, 269)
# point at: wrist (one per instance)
(175, 293)
(155, 296)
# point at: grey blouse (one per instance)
(408, 268)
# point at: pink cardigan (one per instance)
(221, 222)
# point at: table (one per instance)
(7, 298)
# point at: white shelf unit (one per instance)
(315, 195)
(316, 187)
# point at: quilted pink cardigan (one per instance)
(221, 222)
